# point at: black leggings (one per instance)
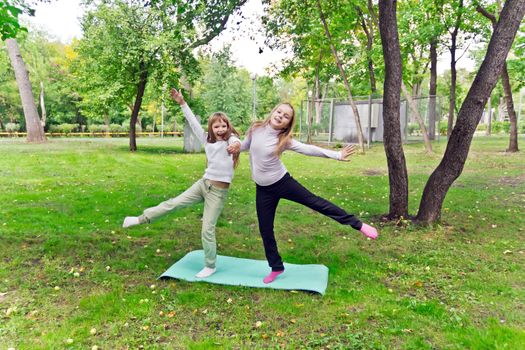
(267, 198)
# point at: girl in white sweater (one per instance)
(266, 141)
(212, 188)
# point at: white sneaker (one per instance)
(130, 221)
(205, 272)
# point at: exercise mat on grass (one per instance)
(250, 273)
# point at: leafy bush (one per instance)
(97, 128)
(498, 127)
(12, 127)
(64, 128)
(149, 128)
(443, 128)
(413, 129)
(116, 128)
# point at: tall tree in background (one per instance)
(453, 161)
(397, 170)
(342, 72)
(138, 41)
(505, 81)
(35, 130)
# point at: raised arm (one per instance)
(190, 117)
(311, 150)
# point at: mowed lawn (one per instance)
(72, 278)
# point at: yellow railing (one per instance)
(92, 134)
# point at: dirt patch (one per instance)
(512, 181)
(373, 172)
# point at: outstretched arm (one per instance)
(188, 114)
(311, 150)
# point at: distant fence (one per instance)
(95, 134)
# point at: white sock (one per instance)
(205, 272)
(130, 221)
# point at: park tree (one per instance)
(134, 41)
(319, 42)
(397, 169)
(225, 88)
(9, 28)
(469, 115)
(35, 130)
(505, 80)
(460, 19)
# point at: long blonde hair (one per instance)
(231, 130)
(285, 136)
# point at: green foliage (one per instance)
(64, 128)
(500, 127)
(443, 127)
(224, 88)
(12, 127)
(9, 21)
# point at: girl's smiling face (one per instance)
(219, 128)
(281, 117)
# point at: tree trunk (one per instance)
(397, 170)
(432, 90)
(453, 78)
(368, 28)
(136, 107)
(106, 122)
(489, 123)
(345, 80)
(428, 145)
(470, 113)
(35, 131)
(310, 117)
(453, 72)
(513, 141)
(42, 105)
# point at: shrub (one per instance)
(116, 128)
(12, 127)
(97, 128)
(443, 128)
(413, 129)
(149, 128)
(498, 127)
(64, 128)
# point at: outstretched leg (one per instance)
(192, 195)
(296, 192)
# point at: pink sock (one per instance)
(272, 276)
(369, 231)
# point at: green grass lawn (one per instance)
(72, 278)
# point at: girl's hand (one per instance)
(347, 152)
(234, 148)
(177, 96)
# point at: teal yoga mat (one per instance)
(247, 272)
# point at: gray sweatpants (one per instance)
(213, 197)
